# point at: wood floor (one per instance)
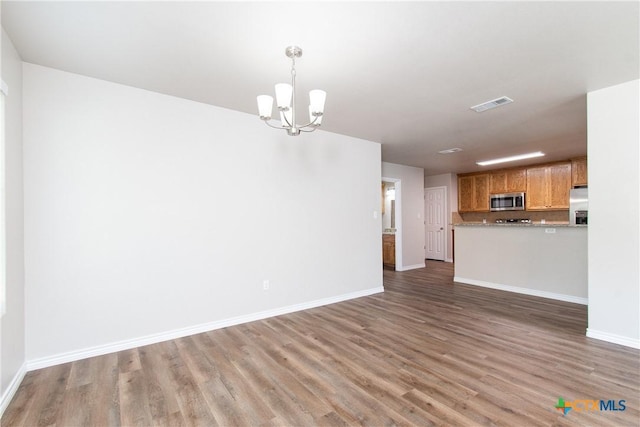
(425, 352)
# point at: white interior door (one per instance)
(435, 222)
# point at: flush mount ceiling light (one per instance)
(286, 100)
(450, 151)
(498, 102)
(511, 158)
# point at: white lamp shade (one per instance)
(283, 95)
(316, 100)
(318, 119)
(287, 115)
(265, 106)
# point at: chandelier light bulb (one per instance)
(316, 100)
(285, 118)
(265, 106)
(283, 95)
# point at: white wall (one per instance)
(411, 209)
(12, 326)
(450, 181)
(442, 180)
(614, 213)
(124, 237)
(524, 259)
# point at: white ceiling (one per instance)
(400, 73)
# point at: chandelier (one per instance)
(286, 101)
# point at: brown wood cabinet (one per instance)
(548, 187)
(508, 181)
(389, 250)
(473, 193)
(579, 171)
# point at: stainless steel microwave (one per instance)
(507, 202)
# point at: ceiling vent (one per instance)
(503, 100)
(450, 150)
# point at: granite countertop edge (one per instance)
(537, 224)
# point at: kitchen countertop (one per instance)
(517, 224)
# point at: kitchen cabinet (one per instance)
(579, 171)
(473, 193)
(389, 250)
(548, 187)
(508, 181)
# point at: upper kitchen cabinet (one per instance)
(473, 193)
(508, 181)
(579, 171)
(548, 187)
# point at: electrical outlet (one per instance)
(550, 230)
(265, 285)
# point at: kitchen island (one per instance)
(546, 260)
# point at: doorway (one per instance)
(392, 230)
(435, 224)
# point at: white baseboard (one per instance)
(525, 291)
(448, 260)
(410, 267)
(613, 338)
(13, 388)
(100, 350)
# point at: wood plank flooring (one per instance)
(425, 352)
